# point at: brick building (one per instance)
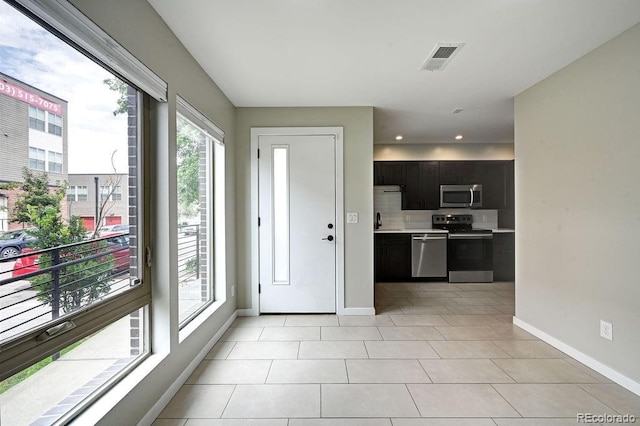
(112, 194)
(33, 134)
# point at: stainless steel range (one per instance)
(469, 251)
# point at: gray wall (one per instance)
(578, 204)
(358, 191)
(136, 26)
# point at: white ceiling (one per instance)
(368, 53)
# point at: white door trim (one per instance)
(337, 132)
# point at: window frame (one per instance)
(35, 122)
(54, 124)
(215, 225)
(37, 159)
(56, 156)
(63, 20)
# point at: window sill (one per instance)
(196, 322)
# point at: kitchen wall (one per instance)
(136, 26)
(452, 151)
(578, 206)
(388, 202)
(358, 191)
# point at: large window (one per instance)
(67, 295)
(55, 124)
(200, 178)
(77, 193)
(110, 192)
(55, 162)
(36, 159)
(36, 118)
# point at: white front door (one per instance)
(297, 211)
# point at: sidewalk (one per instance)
(55, 389)
(43, 397)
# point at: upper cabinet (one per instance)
(460, 172)
(389, 172)
(496, 178)
(421, 180)
(422, 190)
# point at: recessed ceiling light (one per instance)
(459, 137)
(399, 137)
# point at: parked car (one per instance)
(119, 244)
(13, 242)
(105, 231)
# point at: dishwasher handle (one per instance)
(429, 238)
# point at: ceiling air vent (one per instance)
(440, 56)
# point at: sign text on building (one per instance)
(24, 95)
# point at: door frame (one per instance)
(337, 133)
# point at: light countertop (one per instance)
(431, 230)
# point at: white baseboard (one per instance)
(162, 402)
(247, 312)
(606, 371)
(357, 311)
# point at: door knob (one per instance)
(330, 226)
(330, 238)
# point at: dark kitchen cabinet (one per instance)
(504, 256)
(392, 257)
(460, 172)
(422, 188)
(494, 177)
(421, 180)
(389, 173)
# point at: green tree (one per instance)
(188, 141)
(78, 284)
(121, 88)
(35, 193)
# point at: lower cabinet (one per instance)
(504, 256)
(392, 257)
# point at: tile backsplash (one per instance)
(387, 200)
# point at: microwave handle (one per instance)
(471, 190)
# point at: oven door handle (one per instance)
(470, 236)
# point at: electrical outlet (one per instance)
(233, 290)
(352, 217)
(606, 330)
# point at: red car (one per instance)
(120, 242)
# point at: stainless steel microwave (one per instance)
(462, 196)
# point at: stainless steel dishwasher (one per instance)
(429, 255)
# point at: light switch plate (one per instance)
(352, 217)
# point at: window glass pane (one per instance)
(55, 124)
(195, 232)
(55, 162)
(45, 391)
(280, 215)
(57, 268)
(81, 193)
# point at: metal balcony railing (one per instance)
(39, 286)
(188, 253)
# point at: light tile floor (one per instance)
(436, 354)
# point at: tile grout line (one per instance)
(226, 405)
(506, 400)
(579, 385)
